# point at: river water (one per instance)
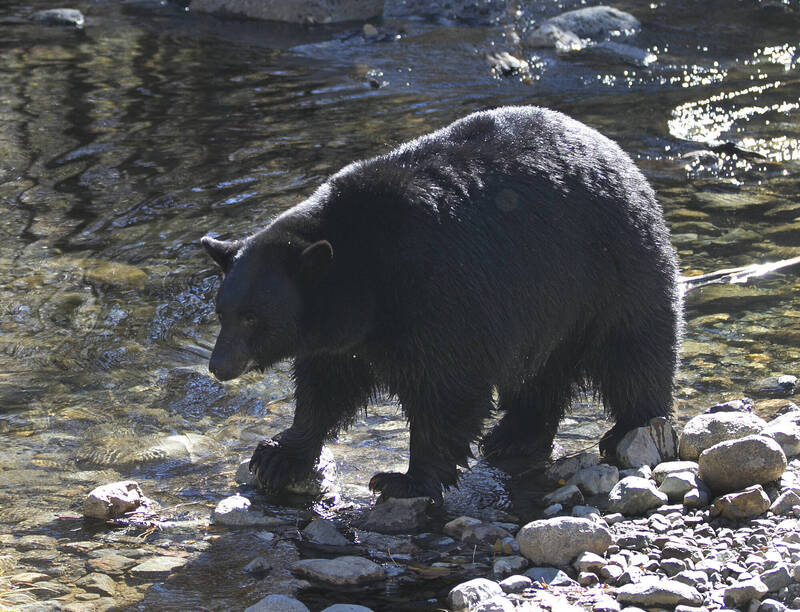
(123, 143)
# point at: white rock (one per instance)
(596, 479)
(468, 594)
(678, 484)
(735, 464)
(234, 511)
(277, 603)
(345, 570)
(706, 430)
(633, 495)
(597, 22)
(785, 430)
(743, 592)
(515, 584)
(655, 592)
(637, 448)
(670, 467)
(496, 604)
(115, 499)
(557, 541)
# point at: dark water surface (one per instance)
(123, 143)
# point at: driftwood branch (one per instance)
(736, 275)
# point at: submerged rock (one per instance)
(59, 16)
(294, 11)
(341, 571)
(234, 511)
(157, 568)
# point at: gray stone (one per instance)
(633, 495)
(742, 504)
(595, 480)
(111, 563)
(742, 593)
(59, 16)
(655, 592)
(772, 605)
(564, 32)
(322, 531)
(588, 562)
(257, 565)
(516, 584)
(468, 594)
(96, 582)
(397, 515)
(662, 470)
(550, 36)
(346, 608)
(552, 510)
(637, 448)
(234, 511)
(776, 578)
(564, 468)
(693, 578)
(677, 485)
(485, 535)
(455, 528)
(661, 429)
(568, 495)
(735, 464)
(345, 570)
(744, 404)
(785, 430)
(557, 541)
(706, 430)
(785, 502)
(496, 604)
(116, 499)
(157, 568)
(506, 566)
(550, 576)
(696, 498)
(277, 603)
(294, 11)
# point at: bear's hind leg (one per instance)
(329, 391)
(532, 414)
(443, 423)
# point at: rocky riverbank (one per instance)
(708, 519)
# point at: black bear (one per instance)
(514, 250)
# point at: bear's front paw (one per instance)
(394, 484)
(276, 465)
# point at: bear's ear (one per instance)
(315, 259)
(221, 251)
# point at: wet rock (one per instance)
(277, 603)
(369, 31)
(505, 546)
(633, 495)
(552, 510)
(505, 64)
(568, 495)
(777, 386)
(654, 592)
(506, 566)
(743, 504)
(595, 480)
(59, 17)
(557, 541)
(661, 471)
(706, 430)
(469, 594)
(785, 502)
(34, 542)
(345, 570)
(234, 511)
(744, 404)
(158, 568)
(259, 565)
(96, 582)
(785, 430)
(549, 576)
(111, 563)
(484, 535)
(597, 22)
(550, 36)
(637, 448)
(619, 53)
(735, 464)
(294, 11)
(564, 468)
(321, 531)
(398, 515)
(116, 499)
(744, 592)
(27, 578)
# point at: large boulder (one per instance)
(736, 464)
(294, 11)
(706, 430)
(557, 541)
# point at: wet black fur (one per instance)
(516, 250)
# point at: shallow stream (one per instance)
(124, 142)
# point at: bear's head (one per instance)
(261, 299)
